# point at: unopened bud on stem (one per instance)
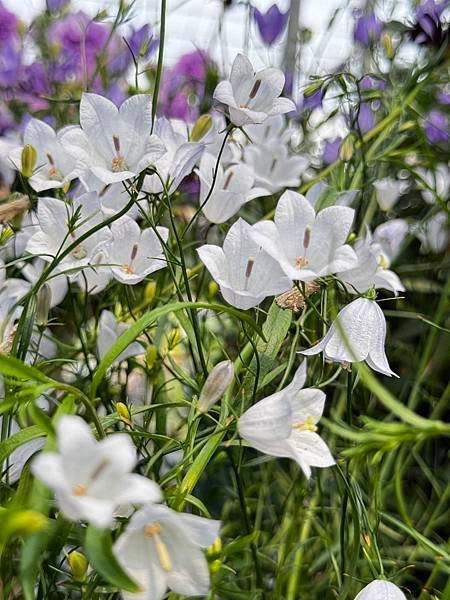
(78, 564)
(201, 127)
(29, 159)
(216, 384)
(44, 300)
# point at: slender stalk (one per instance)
(162, 36)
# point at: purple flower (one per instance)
(369, 82)
(331, 151)
(366, 118)
(6, 120)
(443, 97)
(10, 64)
(8, 25)
(56, 5)
(142, 44)
(436, 127)
(271, 24)
(313, 100)
(428, 29)
(368, 29)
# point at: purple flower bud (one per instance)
(436, 127)
(331, 151)
(271, 24)
(368, 29)
(366, 118)
(56, 5)
(8, 25)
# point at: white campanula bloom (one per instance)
(133, 254)
(91, 478)
(433, 233)
(389, 236)
(388, 191)
(306, 245)
(233, 187)
(162, 549)
(58, 285)
(109, 329)
(284, 424)
(371, 270)
(381, 590)
(245, 273)
(61, 224)
(434, 183)
(273, 168)
(252, 97)
(113, 196)
(358, 334)
(115, 144)
(272, 131)
(180, 158)
(54, 165)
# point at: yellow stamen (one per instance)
(308, 425)
(301, 261)
(153, 530)
(117, 164)
(128, 269)
(79, 490)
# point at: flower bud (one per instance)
(215, 566)
(44, 300)
(370, 294)
(151, 355)
(150, 291)
(29, 159)
(22, 522)
(124, 413)
(215, 385)
(347, 148)
(388, 45)
(78, 564)
(213, 289)
(312, 89)
(201, 127)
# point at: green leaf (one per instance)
(149, 319)
(13, 367)
(98, 546)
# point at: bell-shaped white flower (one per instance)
(273, 168)
(381, 590)
(162, 549)
(232, 189)
(389, 236)
(90, 478)
(109, 329)
(434, 183)
(272, 131)
(177, 163)
(358, 334)
(252, 97)
(57, 285)
(113, 196)
(284, 424)
(245, 273)
(306, 245)
(114, 144)
(371, 271)
(388, 191)
(54, 165)
(433, 233)
(133, 254)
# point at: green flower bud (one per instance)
(44, 299)
(347, 148)
(124, 413)
(215, 385)
(151, 355)
(213, 289)
(29, 159)
(312, 89)
(78, 564)
(201, 127)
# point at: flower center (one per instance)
(128, 269)
(53, 172)
(301, 261)
(79, 490)
(153, 530)
(117, 163)
(308, 425)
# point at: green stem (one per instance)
(162, 36)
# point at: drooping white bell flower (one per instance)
(177, 163)
(381, 590)
(358, 334)
(284, 424)
(273, 168)
(114, 144)
(245, 273)
(234, 187)
(434, 183)
(371, 271)
(109, 329)
(61, 224)
(389, 236)
(433, 233)
(54, 165)
(133, 254)
(162, 549)
(252, 97)
(306, 245)
(388, 191)
(92, 478)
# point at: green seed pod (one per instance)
(201, 127)
(29, 159)
(78, 564)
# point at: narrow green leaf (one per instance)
(13, 367)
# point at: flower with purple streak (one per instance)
(436, 127)
(366, 117)
(331, 150)
(271, 24)
(368, 29)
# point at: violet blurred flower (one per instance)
(368, 29)
(436, 127)
(369, 82)
(271, 24)
(6, 120)
(8, 25)
(428, 29)
(10, 64)
(142, 44)
(366, 118)
(331, 151)
(443, 97)
(56, 5)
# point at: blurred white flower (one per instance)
(133, 254)
(371, 270)
(284, 424)
(273, 168)
(252, 97)
(180, 158)
(435, 183)
(54, 165)
(245, 273)
(433, 233)
(109, 329)
(272, 131)
(114, 144)
(232, 189)
(306, 245)
(381, 590)
(388, 191)
(90, 478)
(389, 236)
(162, 549)
(358, 334)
